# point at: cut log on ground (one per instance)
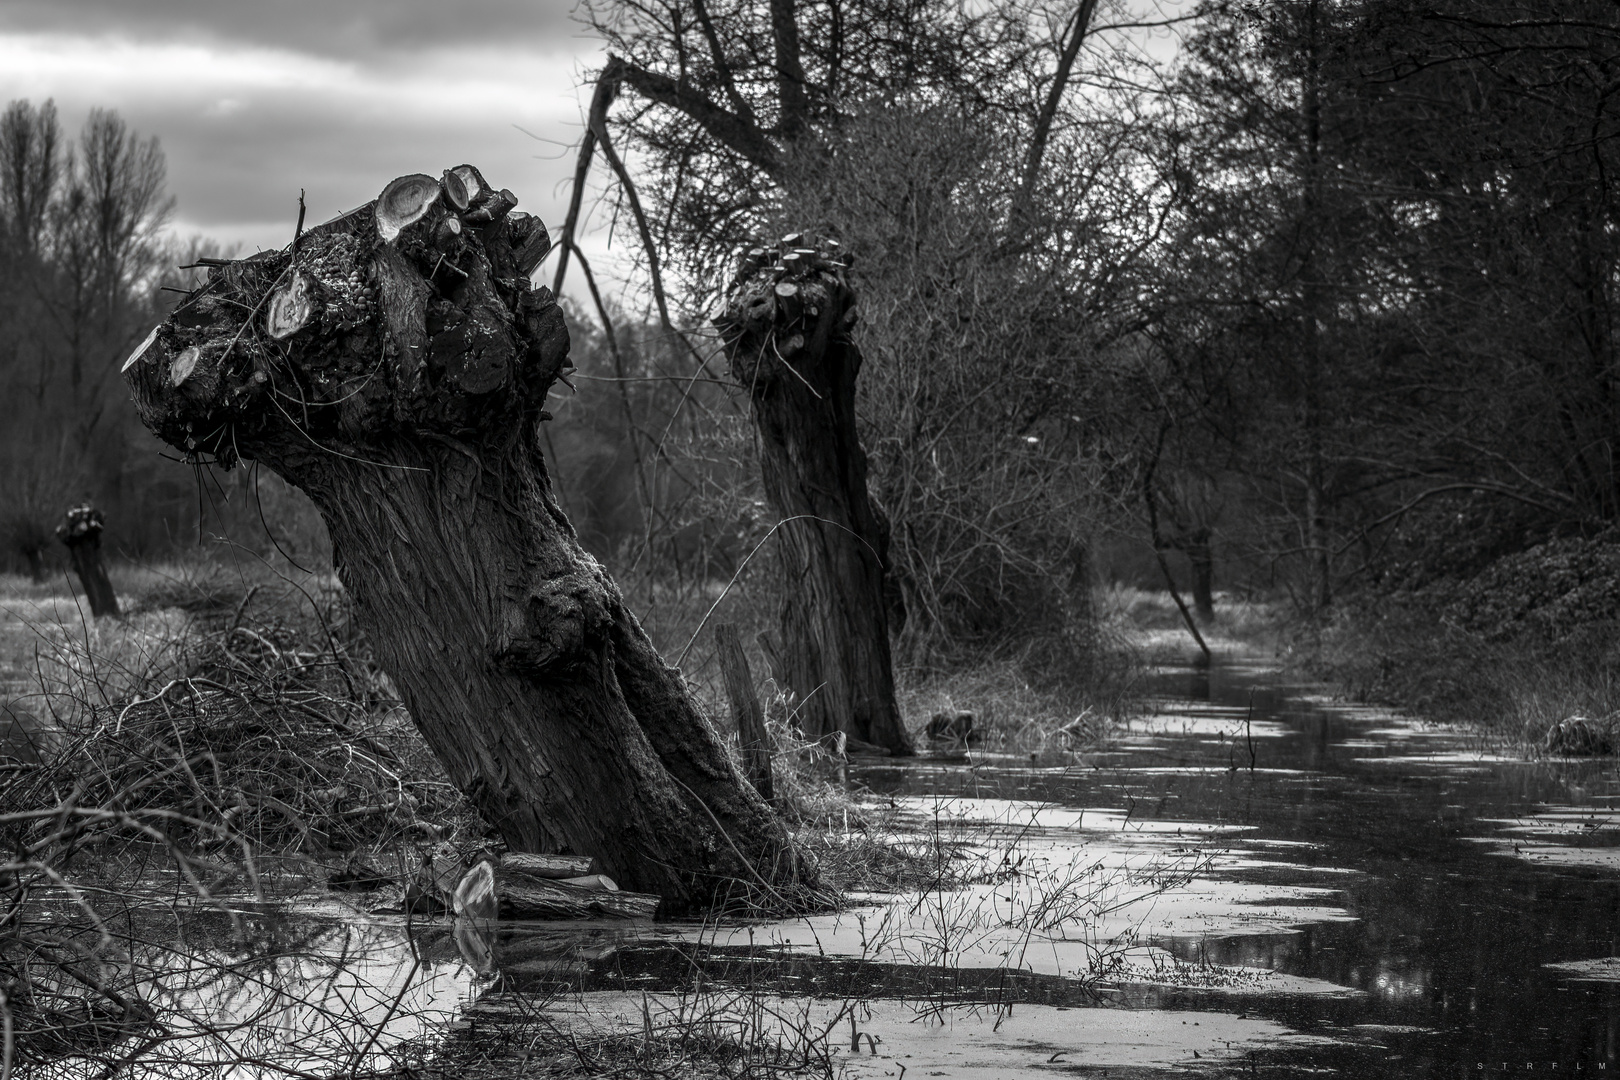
(525, 897)
(515, 887)
(786, 330)
(408, 407)
(80, 531)
(549, 866)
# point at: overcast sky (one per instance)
(254, 99)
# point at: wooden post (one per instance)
(81, 532)
(745, 710)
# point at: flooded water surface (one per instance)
(1466, 903)
(1253, 880)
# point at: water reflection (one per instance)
(258, 996)
(1351, 873)
(1446, 935)
(475, 941)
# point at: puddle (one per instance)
(1362, 856)
(1602, 969)
(284, 994)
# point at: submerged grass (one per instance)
(705, 1031)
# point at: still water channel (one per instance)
(1474, 898)
(1252, 881)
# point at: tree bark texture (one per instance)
(81, 531)
(786, 329)
(408, 407)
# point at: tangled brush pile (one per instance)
(263, 735)
(272, 735)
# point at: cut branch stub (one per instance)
(472, 182)
(447, 236)
(404, 202)
(195, 372)
(140, 350)
(291, 307)
(526, 239)
(184, 365)
(785, 298)
(455, 190)
(492, 209)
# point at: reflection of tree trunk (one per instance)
(1202, 557)
(81, 532)
(787, 335)
(408, 407)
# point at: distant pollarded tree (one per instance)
(997, 214)
(81, 235)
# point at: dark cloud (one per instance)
(251, 163)
(254, 101)
(357, 28)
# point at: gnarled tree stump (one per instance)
(786, 329)
(80, 531)
(394, 366)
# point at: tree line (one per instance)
(1318, 298)
(88, 265)
(80, 254)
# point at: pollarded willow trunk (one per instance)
(787, 334)
(394, 368)
(80, 531)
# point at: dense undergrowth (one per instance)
(242, 702)
(1525, 649)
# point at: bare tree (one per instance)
(104, 226)
(80, 236)
(30, 165)
(997, 218)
